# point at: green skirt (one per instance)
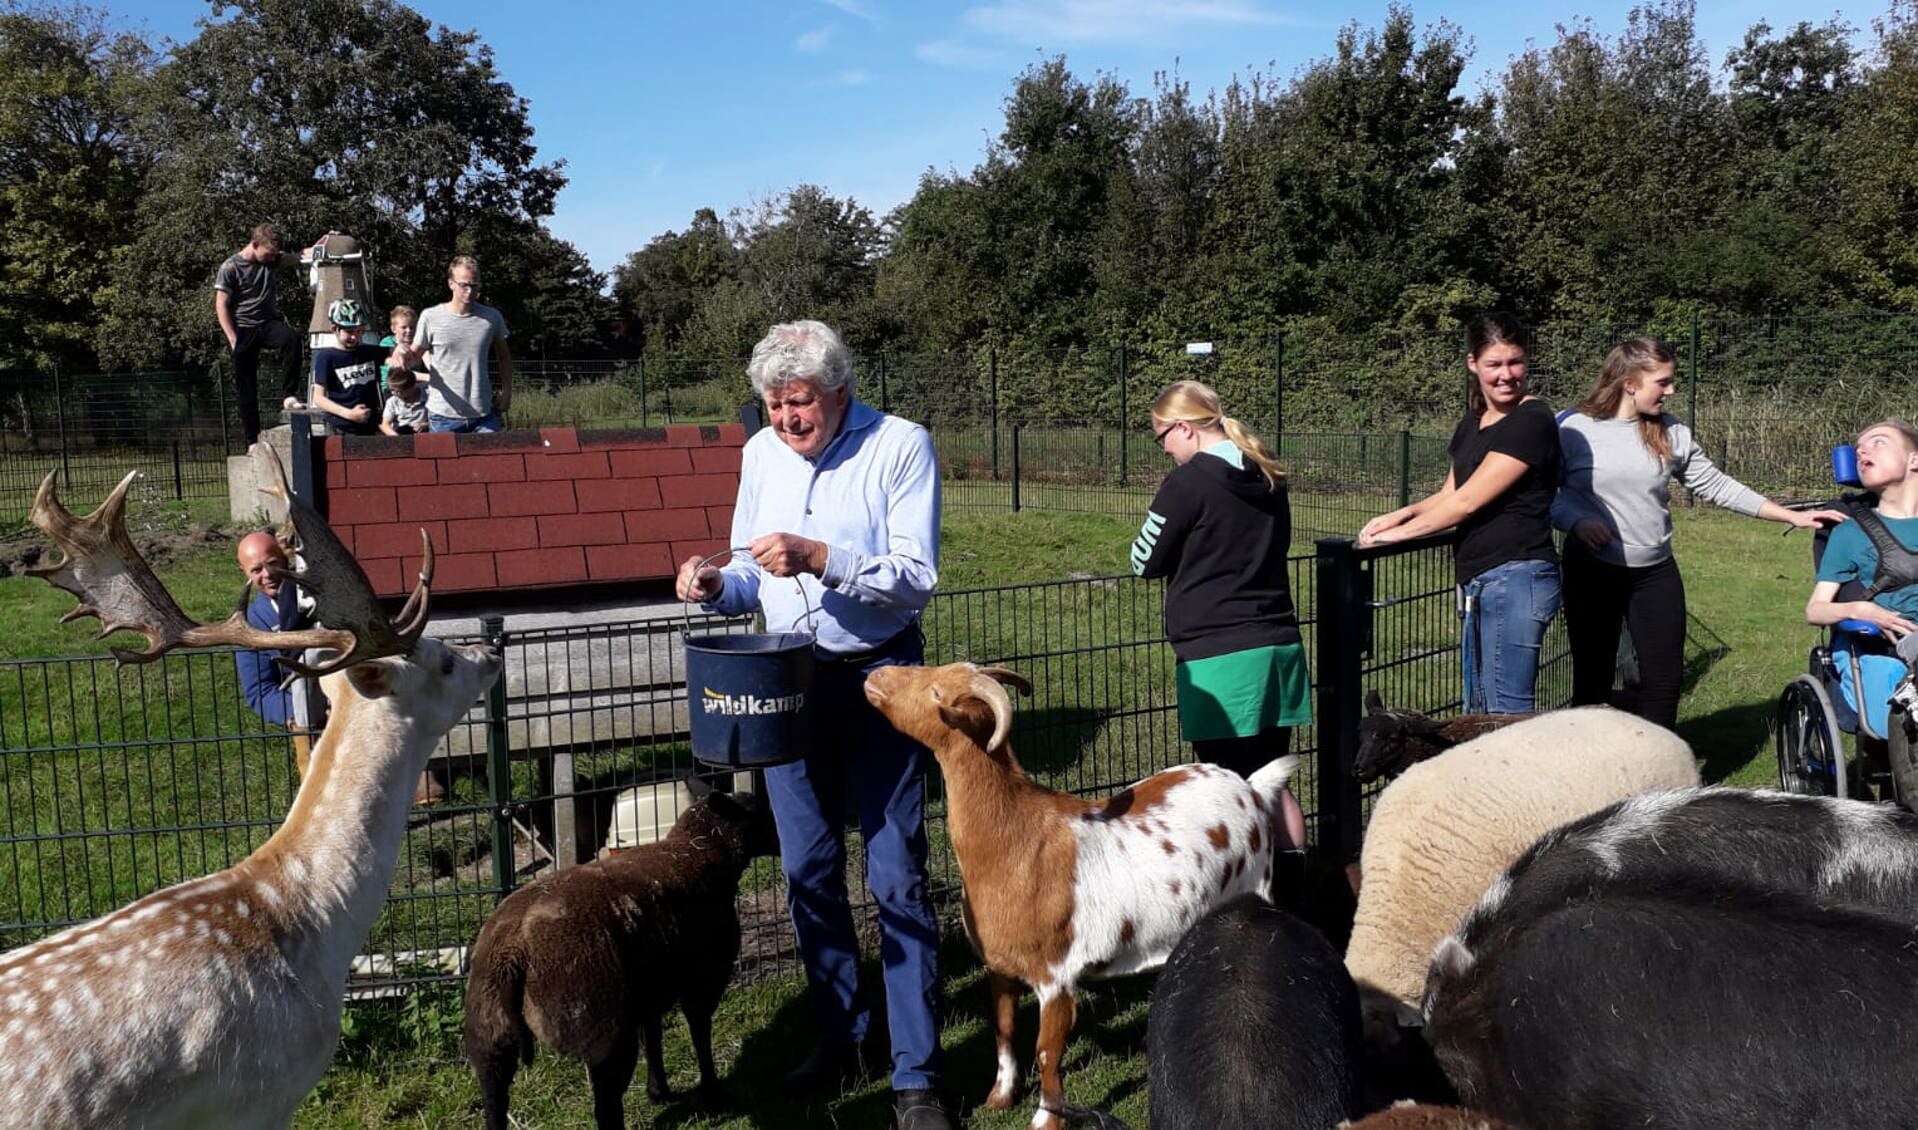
(1243, 693)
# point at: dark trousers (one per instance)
(248, 343)
(861, 763)
(1244, 756)
(1649, 600)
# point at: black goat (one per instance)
(1683, 1004)
(1392, 741)
(1254, 1022)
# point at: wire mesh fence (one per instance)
(119, 781)
(1766, 397)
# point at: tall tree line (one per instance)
(1612, 175)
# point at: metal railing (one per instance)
(119, 781)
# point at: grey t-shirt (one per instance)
(458, 347)
(252, 287)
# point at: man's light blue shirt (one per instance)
(873, 497)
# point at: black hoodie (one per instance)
(1222, 535)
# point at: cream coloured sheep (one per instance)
(1447, 829)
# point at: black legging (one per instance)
(1245, 756)
(1650, 600)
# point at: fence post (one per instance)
(885, 393)
(1125, 415)
(1015, 468)
(1344, 616)
(499, 763)
(642, 390)
(179, 483)
(1405, 467)
(992, 404)
(1278, 392)
(1691, 383)
(60, 415)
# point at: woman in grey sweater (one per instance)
(1621, 452)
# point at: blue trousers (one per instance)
(1507, 609)
(861, 763)
(481, 424)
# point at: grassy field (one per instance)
(399, 1064)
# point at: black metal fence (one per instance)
(1766, 397)
(119, 781)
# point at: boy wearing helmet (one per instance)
(346, 374)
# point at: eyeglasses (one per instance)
(1159, 435)
(466, 285)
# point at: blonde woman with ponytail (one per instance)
(1621, 451)
(1220, 529)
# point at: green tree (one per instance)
(661, 285)
(1877, 236)
(70, 178)
(354, 115)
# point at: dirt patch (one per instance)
(161, 548)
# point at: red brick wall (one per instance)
(532, 510)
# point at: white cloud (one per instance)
(814, 41)
(854, 77)
(858, 8)
(952, 53)
(1058, 22)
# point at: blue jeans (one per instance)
(1506, 610)
(486, 423)
(863, 763)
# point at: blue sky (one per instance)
(660, 107)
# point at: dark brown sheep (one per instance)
(588, 960)
(1392, 741)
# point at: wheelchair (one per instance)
(1820, 708)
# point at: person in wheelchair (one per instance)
(1867, 591)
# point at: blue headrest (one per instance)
(1844, 465)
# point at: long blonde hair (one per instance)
(1198, 405)
(1630, 359)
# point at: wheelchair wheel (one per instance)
(1811, 749)
(1902, 753)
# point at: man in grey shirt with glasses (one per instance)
(455, 339)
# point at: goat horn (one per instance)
(988, 688)
(1009, 677)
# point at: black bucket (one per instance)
(750, 698)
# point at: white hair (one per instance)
(800, 351)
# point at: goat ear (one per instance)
(698, 785)
(1373, 703)
(372, 678)
(1420, 724)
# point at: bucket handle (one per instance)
(686, 608)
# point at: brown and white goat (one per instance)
(588, 960)
(1059, 889)
(217, 1002)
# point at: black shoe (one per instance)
(827, 1067)
(920, 1110)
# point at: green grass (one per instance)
(399, 1066)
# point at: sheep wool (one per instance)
(1446, 831)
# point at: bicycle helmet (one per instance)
(345, 313)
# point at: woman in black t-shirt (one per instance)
(1505, 462)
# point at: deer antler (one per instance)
(101, 567)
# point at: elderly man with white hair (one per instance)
(844, 501)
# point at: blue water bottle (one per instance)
(1844, 465)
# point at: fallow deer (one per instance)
(217, 1002)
